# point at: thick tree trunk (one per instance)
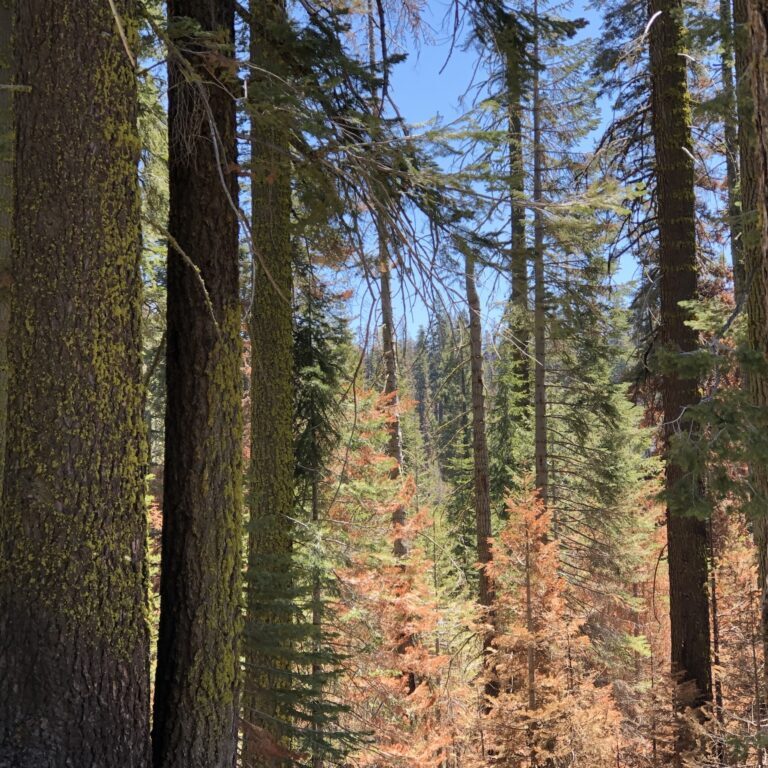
(195, 711)
(686, 535)
(752, 97)
(6, 209)
(481, 466)
(270, 475)
(74, 655)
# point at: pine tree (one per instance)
(269, 581)
(753, 192)
(74, 656)
(686, 532)
(196, 704)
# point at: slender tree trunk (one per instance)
(756, 268)
(539, 311)
(389, 349)
(731, 148)
(271, 471)
(487, 593)
(74, 641)
(686, 535)
(195, 712)
(6, 209)
(519, 321)
(719, 742)
(317, 621)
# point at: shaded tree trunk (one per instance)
(74, 642)
(753, 191)
(6, 209)
(686, 535)
(481, 468)
(195, 709)
(271, 470)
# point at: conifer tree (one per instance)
(752, 187)
(74, 654)
(687, 539)
(269, 581)
(480, 462)
(195, 711)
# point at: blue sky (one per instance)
(431, 84)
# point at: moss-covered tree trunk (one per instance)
(6, 208)
(271, 472)
(481, 468)
(74, 655)
(757, 294)
(686, 534)
(195, 711)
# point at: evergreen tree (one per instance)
(74, 657)
(269, 581)
(687, 538)
(196, 706)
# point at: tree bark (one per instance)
(6, 209)
(754, 187)
(686, 534)
(74, 642)
(481, 467)
(195, 709)
(271, 470)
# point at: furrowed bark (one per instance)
(686, 534)
(74, 641)
(195, 708)
(271, 472)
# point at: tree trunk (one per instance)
(271, 471)
(74, 643)
(539, 313)
(731, 147)
(487, 592)
(195, 712)
(753, 191)
(519, 321)
(6, 209)
(389, 349)
(686, 535)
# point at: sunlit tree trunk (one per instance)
(481, 469)
(74, 641)
(269, 580)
